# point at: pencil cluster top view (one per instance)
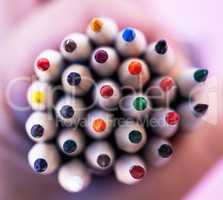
(106, 103)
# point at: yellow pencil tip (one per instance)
(96, 24)
(38, 97)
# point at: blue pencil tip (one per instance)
(67, 111)
(69, 146)
(37, 131)
(74, 79)
(40, 165)
(128, 34)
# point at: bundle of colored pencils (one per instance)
(106, 103)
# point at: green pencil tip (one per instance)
(201, 75)
(140, 103)
(135, 137)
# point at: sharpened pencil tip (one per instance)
(69, 146)
(96, 24)
(128, 34)
(37, 131)
(137, 172)
(103, 160)
(201, 108)
(165, 151)
(67, 111)
(101, 56)
(135, 137)
(161, 47)
(74, 79)
(40, 165)
(201, 75)
(69, 45)
(43, 64)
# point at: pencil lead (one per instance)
(69, 146)
(201, 108)
(201, 75)
(140, 103)
(135, 136)
(103, 160)
(128, 35)
(172, 118)
(38, 97)
(96, 24)
(69, 45)
(106, 91)
(37, 131)
(137, 172)
(67, 111)
(40, 165)
(99, 125)
(101, 56)
(165, 150)
(166, 84)
(43, 64)
(74, 78)
(135, 68)
(161, 47)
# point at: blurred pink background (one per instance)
(197, 23)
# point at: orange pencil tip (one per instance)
(99, 125)
(96, 24)
(135, 68)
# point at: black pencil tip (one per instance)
(103, 160)
(161, 47)
(69, 45)
(165, 151)
(201, 108)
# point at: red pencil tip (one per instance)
(172, 118)
(43, 64)
(135, 67)
(106, 91)
(137, 172)
(166, 83)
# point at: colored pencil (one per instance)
(160, 56)
(77, 80)
(48, 65)
(102, 30)
(44, 158)
(134, 73)
(158, 152)
(104, 61)
(76, 47)
(71, 142)
(130, 169)
(130, 137)
(74, 176)
(131, 42)
(40, 126)
(40, 96)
